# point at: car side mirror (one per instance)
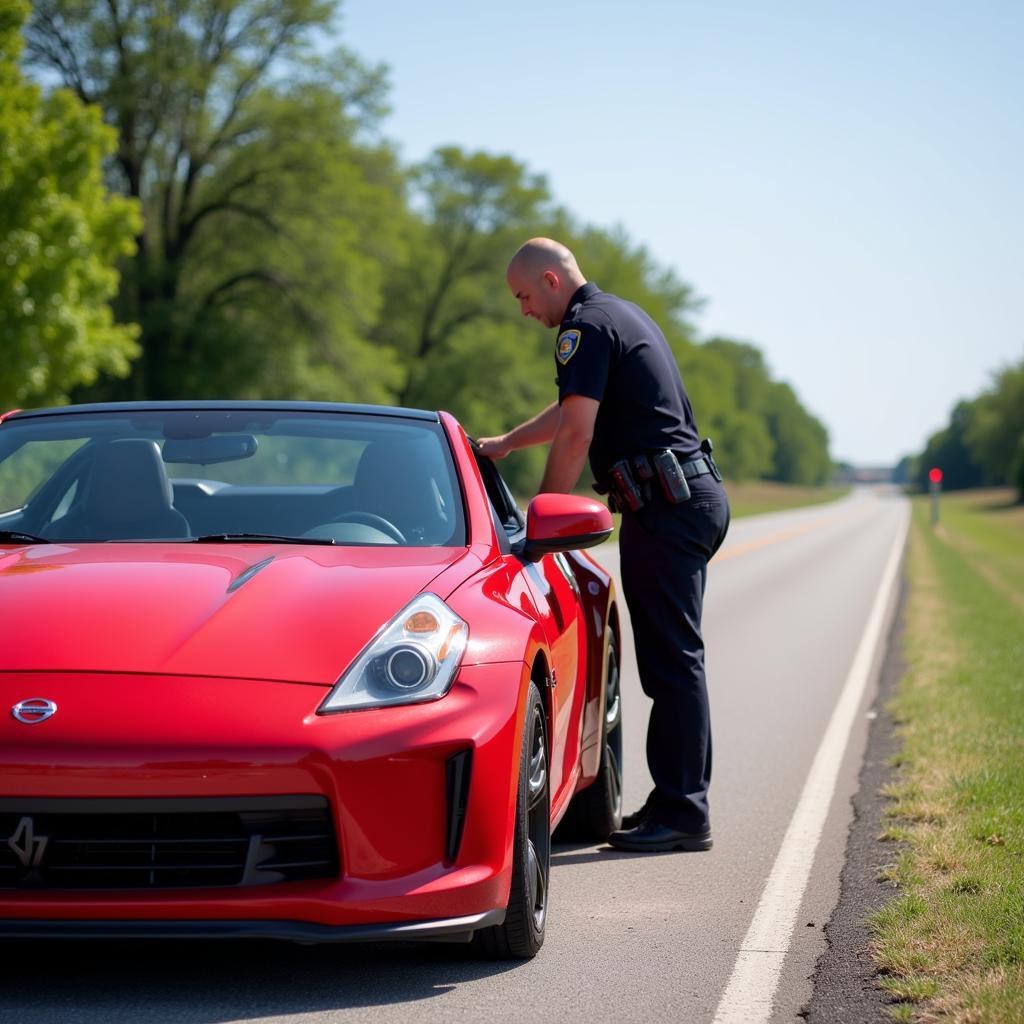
(564, 522)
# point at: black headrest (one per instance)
(128, 482)
(393, 479)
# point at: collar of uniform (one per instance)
(584, 292)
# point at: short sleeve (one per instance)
(583, 356)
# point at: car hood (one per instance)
(246, 611)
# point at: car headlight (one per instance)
(414, 658)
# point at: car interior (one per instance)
(401, 491)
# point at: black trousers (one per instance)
(664, 551)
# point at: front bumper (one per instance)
(452, 929)
(382, 771)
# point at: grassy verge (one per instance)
(749, 499)
(951, 946)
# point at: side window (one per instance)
(65, 502)
(30, 467)
(59, 496)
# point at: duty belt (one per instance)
(696, 467)
(637, 480)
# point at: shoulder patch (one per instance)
(567, 344)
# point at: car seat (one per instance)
(127, 497)
(394, 480)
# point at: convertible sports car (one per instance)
(292, 670)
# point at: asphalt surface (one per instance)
(630, 936)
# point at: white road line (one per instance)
(755, 976)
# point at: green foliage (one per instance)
(475, 211)
(29, 467)
(995, 432)
(983, 444)
(956, 935)
(468, 348)
(449, 319)
(61, 234)
(759, 425)
(728, 382)
(801, 441)
(269, 211)
(618, 265)
(948, 450)
(285, 253)
(277, 299)
(1017, 474)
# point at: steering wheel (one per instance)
(377, 522)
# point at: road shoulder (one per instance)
(845, 990)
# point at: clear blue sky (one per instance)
(842, 182)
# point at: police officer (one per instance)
(621, 399)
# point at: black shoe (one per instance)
(632, 820)
(654, 838)
(639, 816)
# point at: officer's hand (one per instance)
(493, 447)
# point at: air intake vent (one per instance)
(457, 771)
(162, 844)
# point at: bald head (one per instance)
(540, 254)
(543, 275)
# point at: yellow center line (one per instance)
(774, 538)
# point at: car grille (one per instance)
(165, 844)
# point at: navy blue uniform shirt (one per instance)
(611, 350)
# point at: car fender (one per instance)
(505, 629)
(490, 820)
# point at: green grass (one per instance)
(951, 946)
(748, 499)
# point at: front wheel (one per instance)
(596, 812)
(522, 934)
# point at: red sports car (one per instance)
(292, 670)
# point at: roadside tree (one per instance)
(995, 432)
(61, 234)
(759, 423)
(801, 440)
(948, 449)
(268, 205)
(475, 208)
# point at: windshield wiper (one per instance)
(20, 537)
(259, 538)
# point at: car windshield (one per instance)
(229, 474)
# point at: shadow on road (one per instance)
(212, 983)
(564, 854)
(167, 982)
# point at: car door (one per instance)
(555, 593)
(555, 588)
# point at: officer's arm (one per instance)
(570, 445)
(538, 430)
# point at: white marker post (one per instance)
(935, 487)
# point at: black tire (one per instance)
(596, 812)
(522, 934)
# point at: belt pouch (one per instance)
(670, 473)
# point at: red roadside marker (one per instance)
(935, 486)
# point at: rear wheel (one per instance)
(522, 934)
(596, 812)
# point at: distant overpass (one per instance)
(848, 474)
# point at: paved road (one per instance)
(630, 936)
